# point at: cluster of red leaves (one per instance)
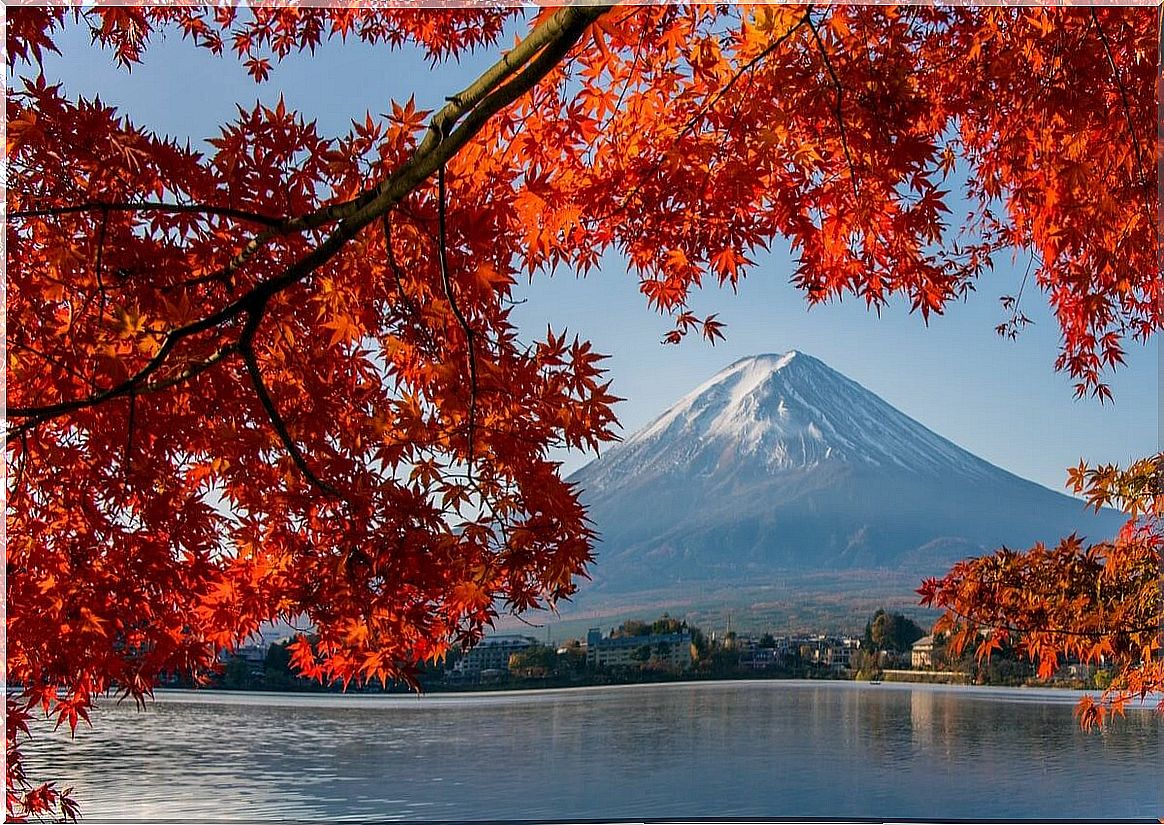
(1099, 604)
(248, 385)
(25, 800)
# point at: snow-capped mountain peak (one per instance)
(779, 462)
(784, 411)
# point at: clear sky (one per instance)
(997, 398)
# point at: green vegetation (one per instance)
(891, 632)
(885, 647)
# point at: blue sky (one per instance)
(997, 398)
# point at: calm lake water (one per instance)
(737, 749)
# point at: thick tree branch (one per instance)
(192, 371)
(543, 49)
(539, 52)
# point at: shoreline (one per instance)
(1023, 694)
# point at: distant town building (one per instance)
(760, 658)
(669, 649)
(254, 655)
(922, 654)
(490, 657)
(835, 652)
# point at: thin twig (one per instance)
(837, 107)
(151, 206)
(129, 434)
(99, 263)
(61, 365)
(1051, 631)
(246, 349)
(394, 265)
(1127, 112)
(470, 335)
(693, 121)
(629, 76)
(18, 483)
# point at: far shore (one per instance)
(1054, 695)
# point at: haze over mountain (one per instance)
(781, 464)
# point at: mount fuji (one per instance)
(779, 464)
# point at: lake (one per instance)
(760, 749)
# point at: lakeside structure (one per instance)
(676, 652)
(922, 654)
(490, 657)
(671, 650)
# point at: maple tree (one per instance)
(277, 377)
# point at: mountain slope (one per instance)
(780, 463)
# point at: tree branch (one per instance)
(1127, 111)
(99, 263)
(151, 206)
(837, 105)
(18, 483)
(129, 433)
(969, 620)
(543, 49)
(246, 349)
(394, 265)
(470, 337)
(704, 109)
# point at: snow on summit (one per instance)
(779, 462)
(783, 411)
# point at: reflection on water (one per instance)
(746, 749)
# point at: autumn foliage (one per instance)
(274, 376)
(1099, 604)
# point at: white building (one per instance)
(670, 649)
(492, 653)
(922, 653)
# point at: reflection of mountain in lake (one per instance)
(779, 465)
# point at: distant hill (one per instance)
(779, 469)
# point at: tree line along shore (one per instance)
(892, 648)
